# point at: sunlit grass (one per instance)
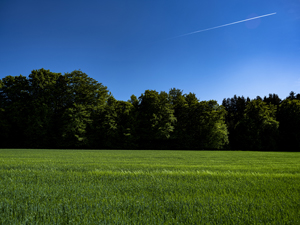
(148, 187)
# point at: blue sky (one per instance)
(127, 45)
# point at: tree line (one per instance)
(51, 110)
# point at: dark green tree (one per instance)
(107, 125)
(4, 124)
(206, 126)
(272, 99)
(85, 99)
(155, 119)
(41, 130)
(179, 138)
(14, 110)
(125, 125)
(289, 124)
(292, 95)
(258, 130)
(235, 108)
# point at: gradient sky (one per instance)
(128, 45)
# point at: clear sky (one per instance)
(128, 45)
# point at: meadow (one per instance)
(148, 187)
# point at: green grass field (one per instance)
(148, 187)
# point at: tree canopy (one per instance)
(51, 110)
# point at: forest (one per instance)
(74, 111)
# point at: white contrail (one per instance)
(228, 24)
